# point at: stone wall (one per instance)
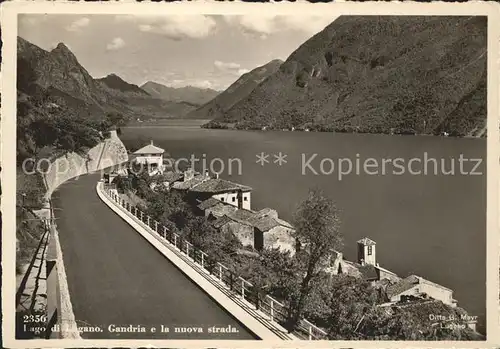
(105, 154)
(243, 232)
(280, 237)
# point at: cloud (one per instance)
(226, 65)
(263, 26)
(175, 27)
(115, 44)
(189, 82)
(32, 19)
(231, 68)
(78, 24)
(202, 84)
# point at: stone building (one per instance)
(189, 180)
(260, 230)
(396, 289)
(213, 208)
(419, 287)
(365, 267)
(225, 191)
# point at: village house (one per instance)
(151, 157)
(223, 190)
(395, 288)
(416, 286)
(272, 232)
(170, 177)
(213, 208)
(366, 265)
(237, 224)
(189, 180)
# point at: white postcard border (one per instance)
(9, 12)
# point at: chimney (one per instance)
(216, 176)
(207, 174)
(151, 142)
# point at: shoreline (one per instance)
(199, 123)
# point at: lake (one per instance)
(431, 225)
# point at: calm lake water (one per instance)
(430, 225)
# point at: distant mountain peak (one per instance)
(61, 50)
(115, 82)
(61, 47)
(189, 94)
(67, 83)
(237, 91)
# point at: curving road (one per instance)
(116, 277)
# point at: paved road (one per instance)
(116, 277)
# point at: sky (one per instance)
(189, 50)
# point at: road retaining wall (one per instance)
(51, 295)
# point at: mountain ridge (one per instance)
(238, 90)
(114, 82)
(189, 94)
(59, 74)
(406, 75)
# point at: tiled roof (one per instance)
(368, 272)
(257, 219)
(208, 203)
(264, 223)
(267, 219)
(172, 176)
(402, 286)
(367, 242)
(219, 186)
(221, 221)
(267, 212)
(242, 216)
(150, 149)
(221, 208)
(190, 183)
(284, 223)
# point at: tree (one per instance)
(204, 236)
(317, 230)
(123, 184)
(116, 119)
(349, 301)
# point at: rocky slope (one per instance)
(115, 84)
(240, 89)
(189, 94)
(58, 74)
(141, 102)
(380, 74)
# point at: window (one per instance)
(245, 199)
(222, 199)
(233, 199)
(370, 250)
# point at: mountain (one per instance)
(240, 89)
(58, 74)
(189, 94)
(378, 74)
(114, 83)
